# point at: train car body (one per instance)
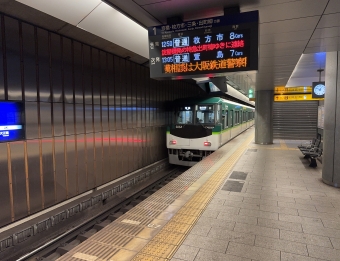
(202, 125)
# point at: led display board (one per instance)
(12, 121)
(204, 48)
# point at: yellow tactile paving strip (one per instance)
(166, 242)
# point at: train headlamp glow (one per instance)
(173, 142)
(207, 143)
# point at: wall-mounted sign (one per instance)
(295, 97)
(12, 120)
(288, 90)
(207, 47)
(318, 90)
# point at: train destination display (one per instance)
(12, 125)
(206, 47)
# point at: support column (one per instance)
(264, 117)
(331, 139)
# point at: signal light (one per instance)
(173, 142)
(207, 143)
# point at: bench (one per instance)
(311, 151)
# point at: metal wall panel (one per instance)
(119, 153)
(97, 118)
(13, 59)
(31, 115)
(87, 74)
(89, 118)
(69, 118)
(99, 158)
(56, 65)
(72, 171)
(2, 57)
(113, 156)
(106, 157)
(78, 78)
(45, 119)
(79, 118)
(48, 170)
(90, 160)
(295, 120)
(118, 92)
(67, 70)
(123, 86)
(81, 160)
(95, 76)
(19, 179)
(33, 162)
(128, 87)
(5, 213)
(105, 117)
(43, 65)
(111, 79)
(103, 77)
(29, 55)
(60, 170)
(58, 125)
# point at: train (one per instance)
(202, 125)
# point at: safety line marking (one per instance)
(164, 245)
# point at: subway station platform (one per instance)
(243, 202)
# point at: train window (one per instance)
(184, 115)
(226, 119)
(244, 116)
(205, 114)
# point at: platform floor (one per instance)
(244, 202)
(283, 212)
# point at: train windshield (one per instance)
(205, 114)
(184, 115)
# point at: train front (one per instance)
(194, 133)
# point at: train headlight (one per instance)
(173, 142)
(207, 143)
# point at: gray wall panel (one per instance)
(118, 93)
(67, 70)
(45, 119)
(72, 172)
(81, 160)
(78, 79)
(69, 118)
(48, 170)
(43, 65)
(33, 162)
(111, 79)
(19, 179)
(112, 117)
(13, 59)
(60, 170)
(30, 74)
(31, 115)
(119, 153)
(56, 66)
(58, 126)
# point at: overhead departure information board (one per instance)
(204, 48)
(12, 120)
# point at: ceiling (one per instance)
(291, 31)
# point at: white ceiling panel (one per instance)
(329, 20)
(285, 37)
(333, 7)
(113, 26)
(291, 10)
(69, 11)
(326, 32)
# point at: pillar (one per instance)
(331, 139)
(264, 117)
